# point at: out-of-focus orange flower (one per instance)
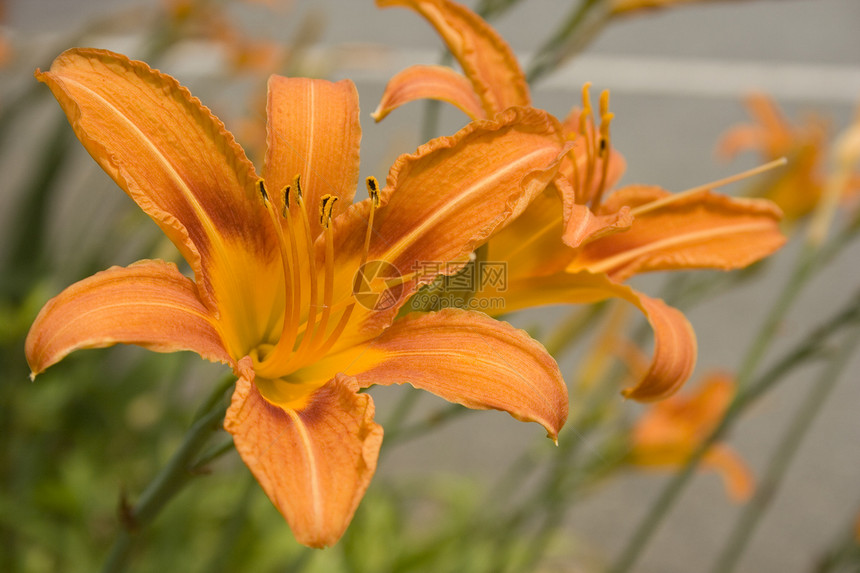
(208, 20)
(275, 262)
(670, 431)
(797, 189)
(576, 243)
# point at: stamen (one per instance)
(312, 272)
(586, 128)
(604, 103)
(604, 149)
(708, 186)
(296, 287)
(326, 206)
(289, 262)
(373, 192)
(283, 355)
(586, 108)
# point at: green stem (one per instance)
(432, 421)
(844, 552)
(574, 33)
(811, 347)
(169, 481)
(489, 9)
(802, 272)
(231, 532)
(572, 327)
(784, 454)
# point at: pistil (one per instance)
(647, 207)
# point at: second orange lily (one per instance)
(575, 244)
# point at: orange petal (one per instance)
(314, 463)
(530, 244)
(467, 358)
(736, 475)
(453, 192)
(583, 226)
(178, 162)
(741, 138)
(149, 303)
(313, 131)
(674, 354)
(445, 200)
(429, 82)
(485, 57)
(703, 230)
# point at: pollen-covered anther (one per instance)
(285, 194)
(586, 108)
(373, 189)
(297, 184)
(261, 189)
(326, 207)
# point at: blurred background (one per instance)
(97, 426)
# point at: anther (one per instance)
(286, 195)
(326, 207)
(586, 108)
(297, 183)
(373, 189)
(261, 189)
(604, 103)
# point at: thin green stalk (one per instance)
(489, 9)
(844, 552)
(220, 559)
(574, 33)
(784, 454)
(561, 483)
(811, 347)
(572, 327)
(404, 407)
(212, 454)
(800, 276)
(432, 421)
(169, 481)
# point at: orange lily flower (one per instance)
(274, 261)
(636, 229)
(797, 189)
(211, 21)
(800, 188)
(670, 431)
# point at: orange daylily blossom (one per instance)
(671, 430)
(274, 261)
(209, 20)
(799, 188)
(604, 240)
